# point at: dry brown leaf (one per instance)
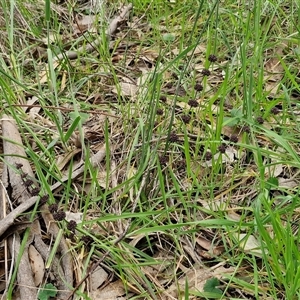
(274, 170)
(44, 75)
(204, 243)
(74, 216)
(37, 265)
(196, 279)
(287, 183)
(98, 277)
(249, 243)
(127, 89)
(85, 23)
(230, 155)
(274, 71)
(113, 291)
(66, 157)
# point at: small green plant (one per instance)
(49, 290)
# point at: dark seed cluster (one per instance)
(159, 112)
(205, 72)
(222, 148)
(72, 225)
(208, 155)
(59, 215)
(87, 240)
(193, 103)
(186, 118)
(212, 58)
(245, 129)
(35, 191)
(275, 110)
(19, 166)
(44, 199)
(198, 87)
(173, 138)
(163, 98)
(234, 138)
(28, 183)
(260, 120)
(163, 160)
(53, 208)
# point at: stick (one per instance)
(110, 31)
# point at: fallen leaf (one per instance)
(37, 265)
(98, 277)
(249, 243)
(113, 291)
(274, 71)
(127, 89)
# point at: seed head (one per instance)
(163, 160)
(260, 120)
(35, 191)
(53, 208)
(24, 175)
(44, 200)
(222, 148)
(72, 237)
(275, 110)
(234, 138)
(198, 87)
(205, 72)
(72, 225)
(246, 129)
(19, 166)
(86, 239)
(159, 112)
(173, 138)
(59, 216)
(193, 103)
(186, 118)
(28, 182)
(208, 155)
(163, 98)
(212, 58)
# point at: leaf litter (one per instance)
(169, 271)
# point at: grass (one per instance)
(214, 197)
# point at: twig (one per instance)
(6, 222)
(110, 31)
